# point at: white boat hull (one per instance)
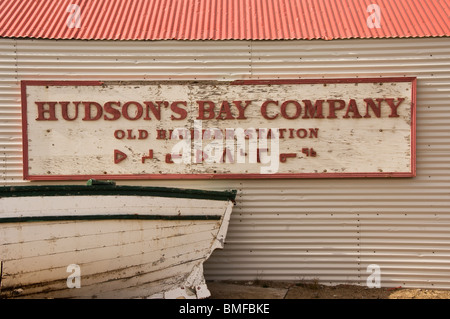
(132, 246)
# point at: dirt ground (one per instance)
(314, 290)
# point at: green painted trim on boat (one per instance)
(113, 190)
(106, 217)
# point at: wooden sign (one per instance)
(78, 130)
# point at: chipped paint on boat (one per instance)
(128, 242)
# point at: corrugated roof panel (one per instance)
(222, 19)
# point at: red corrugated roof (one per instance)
(223, 19)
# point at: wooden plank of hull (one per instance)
(107, 205)
(117, 258)
(29, 232)
(123, 288)
(159, 231)
(116, 282)
(122, 255)
(104, 257)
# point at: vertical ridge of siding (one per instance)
(10, 116)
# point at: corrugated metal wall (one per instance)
(329, 229)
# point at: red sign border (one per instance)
(412, 173)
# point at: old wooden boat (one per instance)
(108, 241)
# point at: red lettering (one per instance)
(65, 111)
(108, 107)
(160, 134)
(138, 113)
(88, 114)
(227, 153)
(42, 111)
(119, 134)
(297, 112)
(394, 107)
(205, 107)
(285, 156)
(313, 132)
(352, 107)
(334, 108)
(149, 156)
(376, 109)
(178, 110)
(264, 110)
(169, 159)
(241, 109)
(291, 133)
(302, 133)
(156, 109)
(130, 135)
(119, 156)
(225, 109)
(142, 134)
(259, 152)
(314, 111)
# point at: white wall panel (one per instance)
(330, 229)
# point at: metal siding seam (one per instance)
(91, 14)
(201, 25)
(107, 32)
(292, 23)
(10, 154)
(165, 16)
(436, 14)
(138, 25)
(413, 10)
(149, 12)
(277, 24)
(321, 15)
(176, 22)
(399, 28)
(128, 21)
(185, 32)
(211, 20)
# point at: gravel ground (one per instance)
(312, 290)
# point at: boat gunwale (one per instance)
(22, 219)
(114, 190)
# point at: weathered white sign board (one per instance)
(243, 129)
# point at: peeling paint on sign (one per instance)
(209, 129)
